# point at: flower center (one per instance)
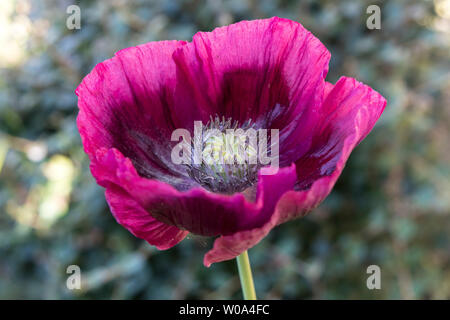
(229, 157)
(227, 148)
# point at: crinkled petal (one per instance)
(129, 213)
(265, 70)
(350, 108)
(196, 210)
(349, 113)
(126, 102)
(291, 205)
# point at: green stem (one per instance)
(245, 274)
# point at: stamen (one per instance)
(229, 156)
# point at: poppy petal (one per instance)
(350, 108)
(126, 102)
(350, 111)
(139, 222)
(196, 210)
(263, 70)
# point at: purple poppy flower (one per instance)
(267, 73)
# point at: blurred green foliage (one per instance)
(391, 206)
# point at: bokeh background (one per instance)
(391, 206)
